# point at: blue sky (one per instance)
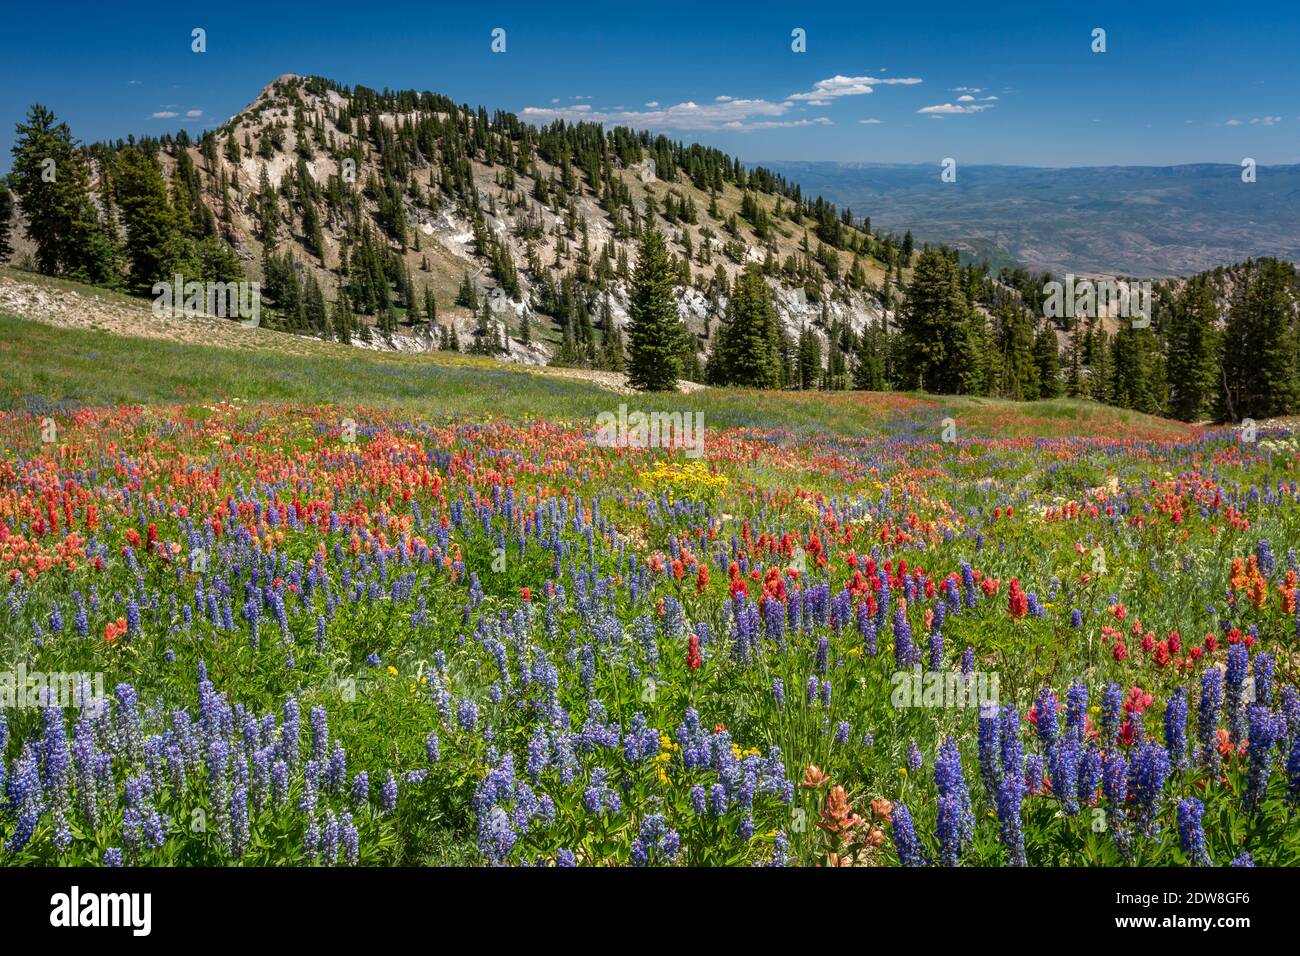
(897, 82)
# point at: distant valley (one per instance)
(1129, 220)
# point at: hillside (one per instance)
(392, 197)
(84, 347)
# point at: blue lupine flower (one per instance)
(1176, 728)
(1234, 679)
(988, 751)
(1263, 736)
(1147, 775)
(908, 846)
(1264, 668)
(956, 825)
(1112, 714)
(655, 843)
(914, 758)
(1191, 833)
(1207, 717)
(1011, 793)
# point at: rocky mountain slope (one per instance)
(447, 193)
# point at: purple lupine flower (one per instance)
(655, 843)
(1234, 679)
(1263, 736)
(113, 857)
(1176, 728)
(905, 652)
(699, 800)
(25, 795)
(1264, 667)
(956, 825)
(1011, 793)
(1090, 770)
(1147, 775)
(914, 758)
(1009, 741)
(1264, 558)
(1034, 775)
(1112, 714)
(388, 799)
(1207, 716)
(1191, 833)
(908, 846)
(320, 735)
(988, 751)
(350, 840)
(1045, 723)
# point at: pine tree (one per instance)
(939, 344)
(1192, 352)
(1047, 359)
(51, 177)
(467, 295)
(343, 319)
(746, 353)
(1260, 375)
(153, 235)
(655, 331)
(810, 358)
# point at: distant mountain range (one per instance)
(1147, 221)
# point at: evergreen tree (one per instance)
(343, 319)
(1047, 359)
(655, 331)
(939, 346)
(154, 244)
(810, 358)
(51, 177)
(467, 295)
(1192, 352)
(747, 352)
(1260, 378)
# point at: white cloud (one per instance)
(164, 114)
(965, 98)
(193, 114)
(1266, 120)
(837, 86)
(952, 109)
(729, 114)
(1233, 122)
(723, 112)
(869, 122)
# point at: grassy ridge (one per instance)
(47, 364)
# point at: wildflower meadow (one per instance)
(272, 634)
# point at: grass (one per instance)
(47, 364)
